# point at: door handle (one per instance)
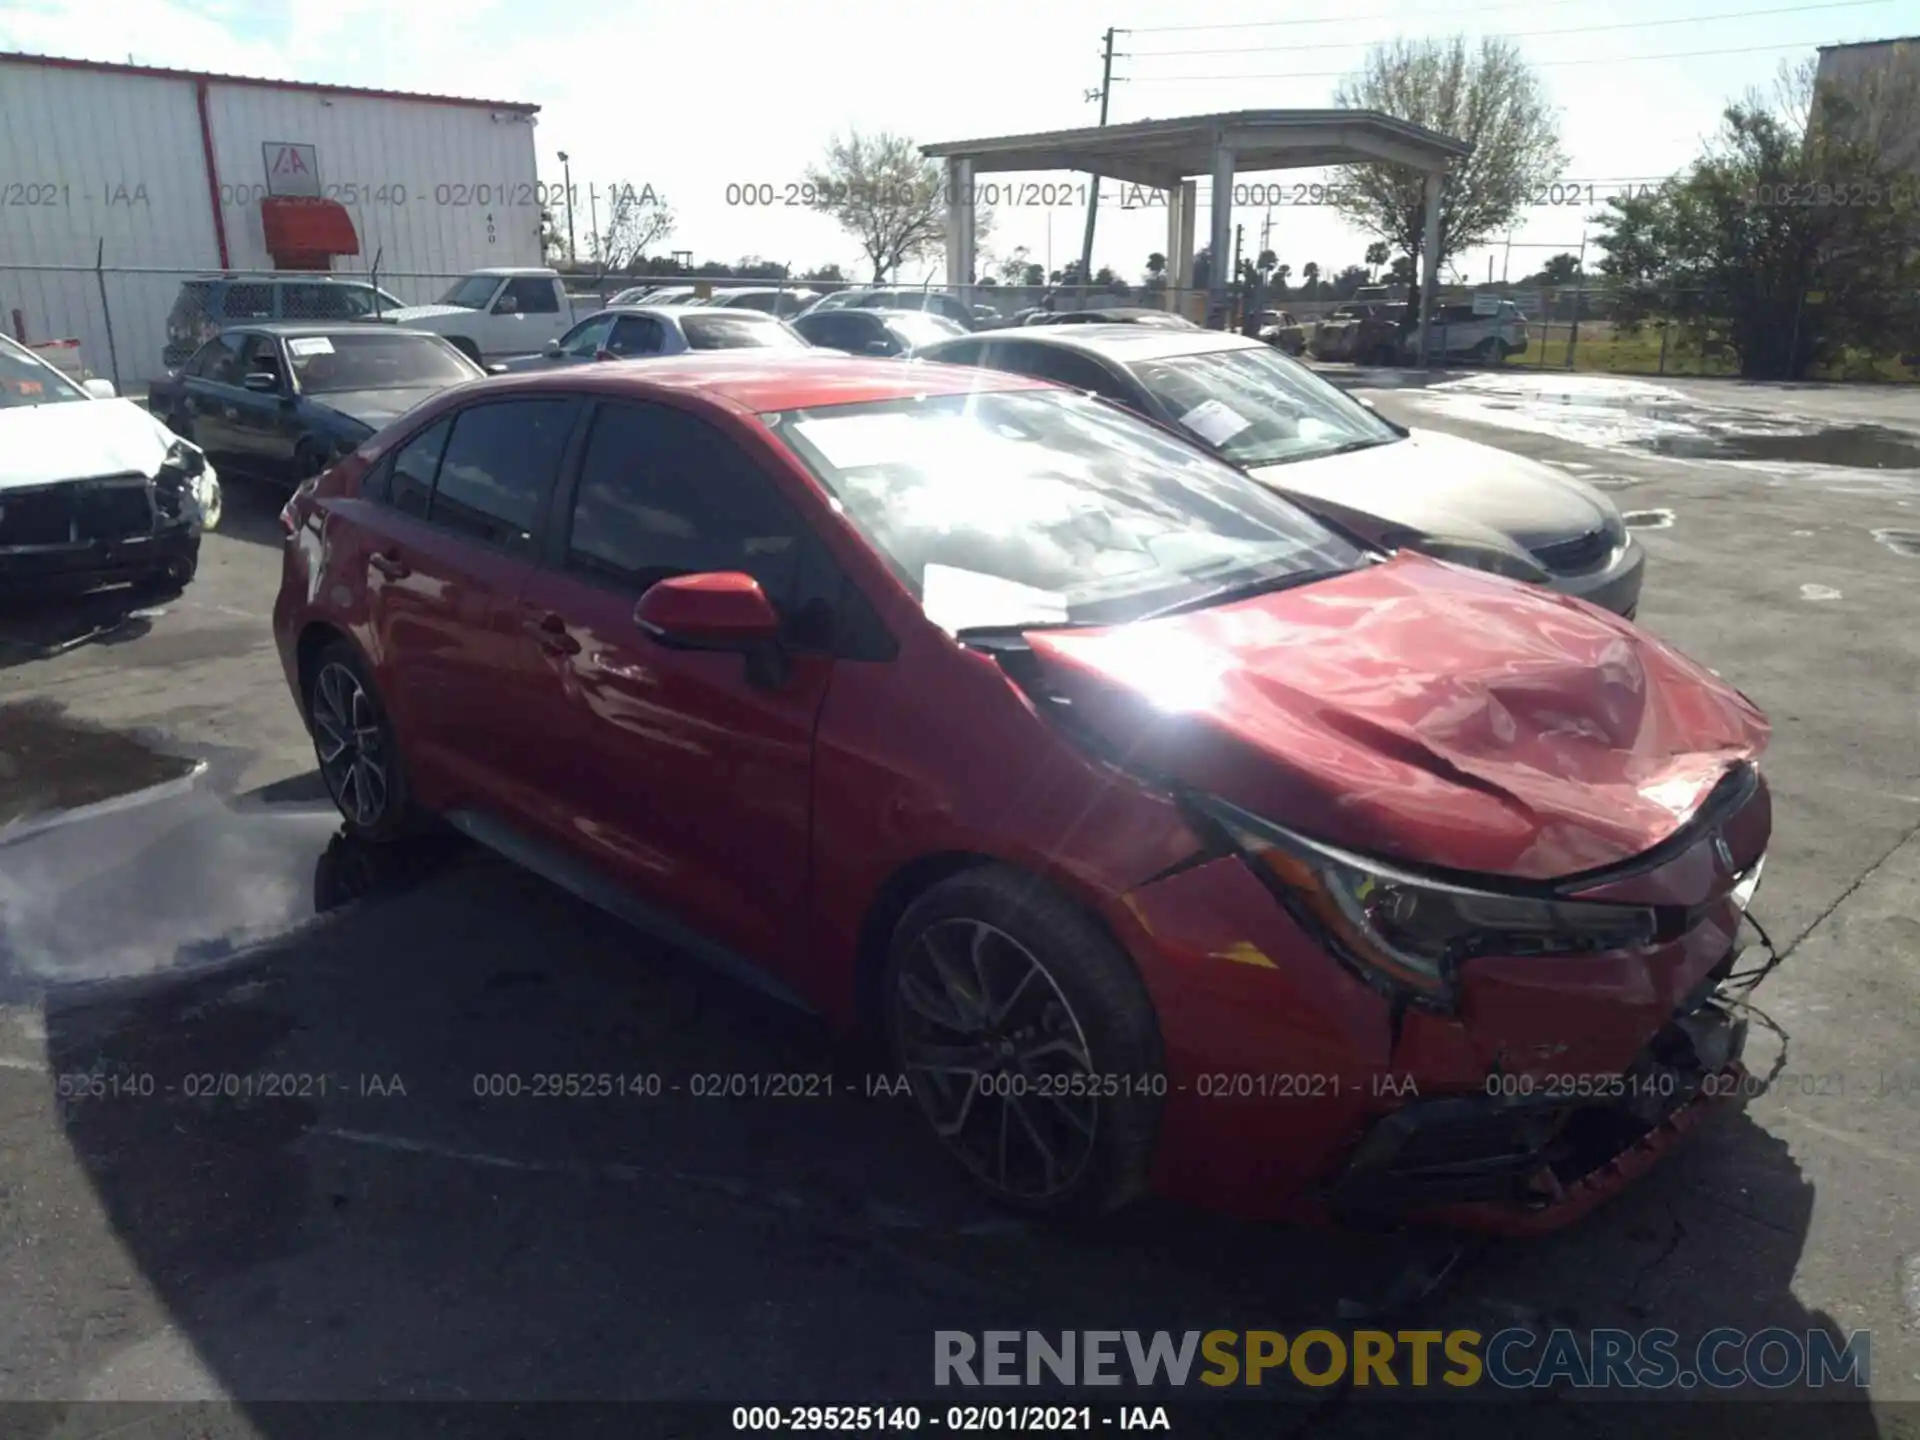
(230, 412)
(390, 565)
(550, 630)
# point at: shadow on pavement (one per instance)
(452, 1135)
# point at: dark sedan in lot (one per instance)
(875, 332)
(282, 402)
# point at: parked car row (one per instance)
(1066, 744)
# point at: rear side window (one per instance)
(218, 360)
(722, 331)
(247, 302)
(497, 468)
(410, 487)
(189, 308)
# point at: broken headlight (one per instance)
(1412, 930)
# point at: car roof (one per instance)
(753, 382)
(670, 312)
(291, 328)
(1124, 343)
(270, 277)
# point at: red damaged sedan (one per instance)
(1172, 838)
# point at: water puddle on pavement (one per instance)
(121, 859)
(1901, 542)
(1638, 417)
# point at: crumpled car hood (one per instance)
(1417, 711)
(78, 439)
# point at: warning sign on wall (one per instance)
(292, 169)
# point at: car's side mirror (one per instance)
(497, 368)
(99, 389)
(552, 350)
(263, 381)
(716, 610)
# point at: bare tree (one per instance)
(636, 220)
(1488, 97)
(889, 197)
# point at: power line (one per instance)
(1606, 60)
(1529, 34)
(1354, 19)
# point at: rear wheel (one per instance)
(174, 576)
(359, 760)
(1489, 351)
(1029, 1041)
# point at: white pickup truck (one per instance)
(495, 314)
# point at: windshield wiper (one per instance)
(1245, 590)
(1345, 447)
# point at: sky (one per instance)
(714, 102)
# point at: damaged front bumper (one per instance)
(1537, 1153)
(77, 535)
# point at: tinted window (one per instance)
(529, 296)
(921, 328)
(839, 330)
(218, 360)
(1063, 367)
(961, 352)
(662, 493)
(497, 467)
(735, 331)
(414, 464)
(637, 335)
(248, 302)
(313, 302)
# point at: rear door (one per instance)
(684, 774)
(445, 550)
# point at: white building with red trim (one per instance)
(154, 175)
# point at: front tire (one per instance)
(1029, 1041)
(354, 744)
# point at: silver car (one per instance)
(633, 332)
(1274, 418)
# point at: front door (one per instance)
(689, 774)
(446, 548)
(262, 422)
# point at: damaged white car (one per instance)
(93, 490)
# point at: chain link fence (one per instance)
(131, 324)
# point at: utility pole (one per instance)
(566, 173)
(1093, 193)
(1239, 277)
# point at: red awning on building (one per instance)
(296, 225)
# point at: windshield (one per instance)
(1254, 406)
(26, 380)
(375, 360)
(472, 293)
(739, 330)
(1035, 507)
(915, 328)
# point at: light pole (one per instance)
(566, 175)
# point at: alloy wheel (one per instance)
(997, 1059)
(352, 745)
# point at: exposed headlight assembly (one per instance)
(1412, 932)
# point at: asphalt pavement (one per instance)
(372, 1213)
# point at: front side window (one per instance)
(219, 360)
(374, 358)
(472, 293)
(26, 380)
(1040, 507)
(262, 357)
(663, 493)
(529, 296)
(583, 342)
(499, 462)
(410, 486)
(1254, 406)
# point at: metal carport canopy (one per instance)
(1163, 154)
